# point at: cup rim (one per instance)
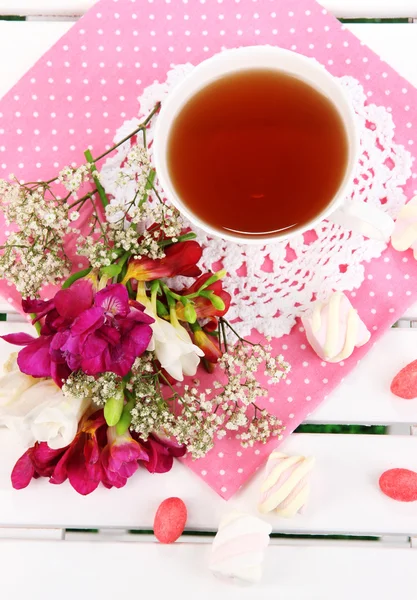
(349, 121)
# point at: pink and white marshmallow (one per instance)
(334, 328)
(286, 485)
(404, 236)
(238, 549)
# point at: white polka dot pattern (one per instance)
(80, 92)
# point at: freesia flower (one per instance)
(209, 344)
(38, 461)
(119, 459)
(92, 332)
(38, 411)
(174, 348)
(179, 259)
(109, 336)
(204, 308)
(95, 455)
(161, 451)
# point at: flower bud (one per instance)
(113, 408)
(216, 301)
(189, 313)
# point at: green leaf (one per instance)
(74, 277)
(111, 270)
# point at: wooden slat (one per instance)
(116, 570)
(45, 7)
(26, 42)
(371, 9)
(340, 8)
(345, 497)
(364, 396)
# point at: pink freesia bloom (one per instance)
(96, 455)
(119, 459)
(161, 452)
(82, 330)
(38, 461)
(109, 336)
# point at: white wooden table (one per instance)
(41, 556)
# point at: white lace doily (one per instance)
(274, 284)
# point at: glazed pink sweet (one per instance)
(404, 384)
(399, 484)
(170, 520)
(334, 328)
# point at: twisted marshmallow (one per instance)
(334, 328)
(405, 230)
(238, 548)
(286, 486)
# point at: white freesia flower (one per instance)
(173, 347)
(38, 411)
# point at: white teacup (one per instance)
(354, 215)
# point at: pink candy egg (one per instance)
(404, 383)
(399, 484)
(170, 520)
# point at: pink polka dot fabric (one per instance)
(88, 84)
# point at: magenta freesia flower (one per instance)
(95, 332)
(96, 455)
(109, 336)
(119, 459)
(161, 451)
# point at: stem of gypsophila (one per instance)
(140, 127)
(244, 340)
(75, 276)
(83, 198)
(36, 325)
(157, 194)
(223, 335)
(93, 169)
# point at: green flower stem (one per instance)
(93, 169)
(75, 277)
(171, 295)
(36, 325)
(130, 290)
(182, 238)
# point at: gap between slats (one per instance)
(340, 8)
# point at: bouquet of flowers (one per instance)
(108, 384)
